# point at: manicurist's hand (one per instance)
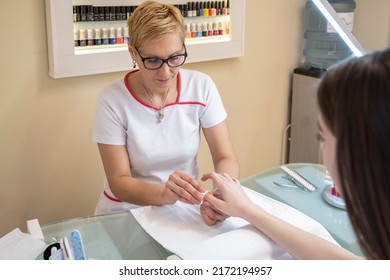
(231, 200)
(185, 187)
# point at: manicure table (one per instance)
(119, 236)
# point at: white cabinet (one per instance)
(67, 60)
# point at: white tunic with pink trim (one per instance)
(156, 149)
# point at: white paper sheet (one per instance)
(17, 245)
(180, 229)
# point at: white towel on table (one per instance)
(181, 230)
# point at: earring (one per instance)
(134, 64)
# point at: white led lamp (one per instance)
(340, 26)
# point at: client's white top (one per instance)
(157, 149)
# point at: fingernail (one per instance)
(202, 195)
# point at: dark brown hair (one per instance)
(354, 100)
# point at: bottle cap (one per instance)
(187, 27)
(119, 32)
(204, 26)
(112, 32)
(193, 27)
(97, 33)
(90, 33)
(82, 34)
(105, 33)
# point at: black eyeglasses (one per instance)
(154, 63)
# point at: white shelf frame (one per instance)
(63, 62)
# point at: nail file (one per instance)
(298, 178)
(77, 245)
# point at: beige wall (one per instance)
(49, 167)
(372, 24)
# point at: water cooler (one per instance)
(323, 47)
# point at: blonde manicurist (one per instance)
(148, 124)
(354, 130)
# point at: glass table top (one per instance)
(110, 236)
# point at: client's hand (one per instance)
(184, 187)
(209, 213)
(231, 200)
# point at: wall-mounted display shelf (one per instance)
(90, 36)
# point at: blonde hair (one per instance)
(152, 21)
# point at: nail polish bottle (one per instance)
(224, 10)
(112, 13)
(188, 9)
(213, 10)
(118, 15)
(90, 39)
(193, 30)
(201, 9)
(228, 6)
(193, 4)
(204, 29)
(76, 10)
(107, 13)
(188, 30)
(227, 27)
(83, 12)
(199, 29)
(76, 38)
(101, 13)
(96, 13)
(206, 9)
(82, 36)
(112, 37)
(189, 4)
(217, 5)
(123, 13)
(89, 13)
(119, 37)
(128, 12)
(220, 28)
(215, 29)
(105, 40)
(126, 38)
(210, 8)
(209, 28)
(98, 39)
(78, 13)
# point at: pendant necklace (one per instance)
(160, 111)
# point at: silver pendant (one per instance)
(160, 115)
